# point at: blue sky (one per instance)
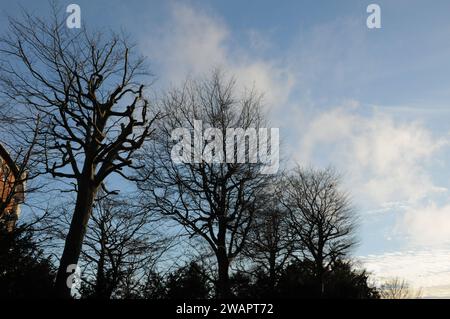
(372, 103)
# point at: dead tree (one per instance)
(321, 220)
(212, 200)
(89, 90)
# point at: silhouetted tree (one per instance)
(212, 200)
(24, 270)
(154, 286)
(122, 243)
(187, 283)
(322, 220)
(345, 282)
(88, 89)
(299, 280)
(269, 246)
(242, 286)
(397, 288)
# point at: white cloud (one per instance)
(194, 42)
(385, 162)
(427, 224)
(388, 167)
(383, 159)
(190, 43)
(428, 270)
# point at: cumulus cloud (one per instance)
(194, 42)
(385, 160)
(388, 167)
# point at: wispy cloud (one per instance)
(324, 86)
(384, 160)
(427, 224)
(428, 270)
(195, 41)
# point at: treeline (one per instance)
(27, 272)
(77, 111)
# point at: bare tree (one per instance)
(212, 200)
(86, 88)
(122, 244)
(322, 220)
(269, 246)
(396, 288)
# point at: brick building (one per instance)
(11, 189)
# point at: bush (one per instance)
(24, 271)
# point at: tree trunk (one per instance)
(272, 272)
(223, 283)
(320, 277)
(320, 262)
(74, 240)
(321, 281)
(100, 283)
(223, 263)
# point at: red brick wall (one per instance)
(6, 182)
